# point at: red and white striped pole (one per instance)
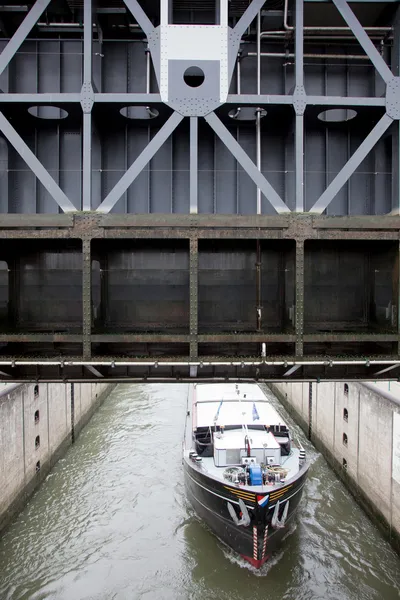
(255, 543)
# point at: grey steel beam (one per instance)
(345, 101)
(248, 16)
(386, 370)
(87, 115)
(266, 99)
(396, 129)
(87, 162)
(35, 165)
(131, 99)
(23, 30)
(299, 151)
(352, 164)
(139, 164)
(87, 40)
(140, 16)
(243, 159)
(292, 370)
(363, 38)
(194, 166)
(49, 98)
(94, 371)
(299, 49)
(259, 100)
(299, 121)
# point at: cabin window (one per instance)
(37, 416)
(345, 440)
(36, 391)
(346, 389)
(38, 466)
(344, 464)
(345, 414)
(37, 442)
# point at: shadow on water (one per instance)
(112, 523)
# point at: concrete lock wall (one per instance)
(357, 428)
(37, 424)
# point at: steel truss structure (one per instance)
(183, 196)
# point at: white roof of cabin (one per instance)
(217, 391)
(235, 439)
(232, 411)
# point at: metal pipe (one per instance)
(288, 27)
(151, 114)
(238, 84)
(147, 70)
(291, 55)
(198, 363)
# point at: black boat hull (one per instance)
(256, 542)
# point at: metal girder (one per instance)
(387, 369)
(35, 165)
(345, 101)
(87, 40)
(299, 104)
(138, 165)
(48, 98)
(248, 16)
(87, 114)
(194, 151)
(87, 162)
(292, 370)
(23, 30)
(140, 16)
(259, 100)
(124, 98)
(94, 371)
(243, 159)
(363, 38)
(352, 164)
(299, 153)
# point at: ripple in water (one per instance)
(112, 523)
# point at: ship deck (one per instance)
(291, 463)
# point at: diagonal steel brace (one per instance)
(140, 16)
(139, 164)
(365, 41)
(23, 30)
(35, 165)
(243, 159)
(352, 164)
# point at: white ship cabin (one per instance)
(235, 425)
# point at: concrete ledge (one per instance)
(24, 494)
(356, 491)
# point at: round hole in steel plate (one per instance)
(337, 115)
(48, 112)
(141, 113)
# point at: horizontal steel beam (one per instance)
(39, 99)
(127, 99)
